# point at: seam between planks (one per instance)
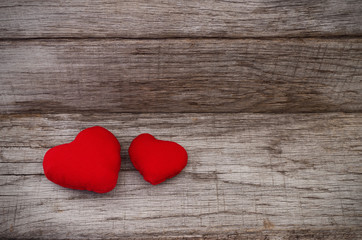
(333, 37)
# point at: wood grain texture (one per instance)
(273, 76)
(249, 176)
(181, 18)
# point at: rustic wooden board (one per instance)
(309, 75)
(182, 18)
(251, 176)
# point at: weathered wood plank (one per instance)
(197, 18)
(292, 176)
(181, 76)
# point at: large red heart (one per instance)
(90, 162)
(157, 160)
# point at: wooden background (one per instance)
(265, 95)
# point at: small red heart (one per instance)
(90, 162)
(157, 160)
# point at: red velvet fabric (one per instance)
(90, 162)
(157, 160)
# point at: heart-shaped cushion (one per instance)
(157, 160)
(90, 162)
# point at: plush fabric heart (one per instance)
(157, 160)
(90, 162)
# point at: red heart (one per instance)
(90, 162)
(157, 160)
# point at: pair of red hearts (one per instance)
(92, 161)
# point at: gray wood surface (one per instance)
(249, 176)
(181, 18)
(265, 95)
(284, 75)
